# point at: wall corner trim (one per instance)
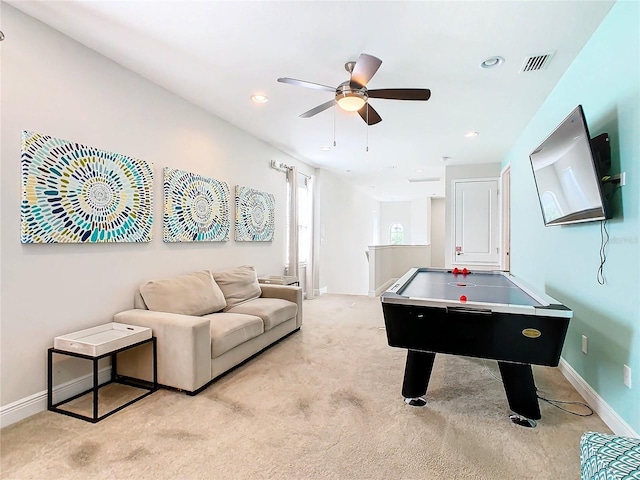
(608, 415)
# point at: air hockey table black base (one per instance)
(515, 340)
(517, 380)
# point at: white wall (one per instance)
(395, 212)
(57, 87)
(343, 266)
(456, 172)
(437, 232)
(414, 217)
(420, 220)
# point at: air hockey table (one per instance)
(483, 314)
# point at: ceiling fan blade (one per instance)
(302, 83)
(401, 93)
(373, 117)
(319, 108)
(365, 68)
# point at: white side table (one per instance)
(280, 280)
(93, 344)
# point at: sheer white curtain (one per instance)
(292, 180)
(310, 256)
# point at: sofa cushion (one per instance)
(239, 285)
(228, 330)
(272, 311)
(191, 294)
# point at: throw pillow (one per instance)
(191, 294)
(239, 285)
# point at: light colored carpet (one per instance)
(324, 403)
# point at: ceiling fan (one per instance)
(353, 94)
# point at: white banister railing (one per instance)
(387, 263)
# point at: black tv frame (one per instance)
(601, 158)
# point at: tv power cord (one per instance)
(555, 403)
(604, 234)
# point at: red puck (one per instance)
(456, 271)
(463, 298)
(465, 271)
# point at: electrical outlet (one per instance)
(627, 376)
(623, 179)
(584, 344)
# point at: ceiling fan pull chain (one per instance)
(367, 122)
(334, 125)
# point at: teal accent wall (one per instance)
(563, 260)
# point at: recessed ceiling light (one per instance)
(445, 159)
(325, 148)
(492, 62)
(259, 98)
(471, 134)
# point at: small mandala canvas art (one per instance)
(72, 193)
(255, 213)
(196, 208)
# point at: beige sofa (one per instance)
(207, 323)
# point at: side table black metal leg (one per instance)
(49, 379)
(114, 366)
(95, 390)
(154, 346)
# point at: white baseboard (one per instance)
(595, 401)
(36, 403)
(319, 291)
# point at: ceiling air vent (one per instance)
(534, 63)
(422, 180)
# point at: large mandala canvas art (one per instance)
(72, 193)
(255, 212)
(196, 208)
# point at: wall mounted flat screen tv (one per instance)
(568, 168)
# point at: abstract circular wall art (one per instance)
(196, 208)
(72, 193)
(255, 212)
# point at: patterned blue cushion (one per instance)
(609, 457)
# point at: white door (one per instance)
(506, 219)
(476, 214)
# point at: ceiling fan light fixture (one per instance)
(351, 101)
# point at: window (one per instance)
(305, 215)
(550, 206)
(396, 234)
(304, 222)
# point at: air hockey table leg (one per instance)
(520, 388)
(417, 372)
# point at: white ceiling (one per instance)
(216, 54)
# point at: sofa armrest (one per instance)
(285, 292)
(184, 349)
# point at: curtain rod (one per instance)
(283, 166)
